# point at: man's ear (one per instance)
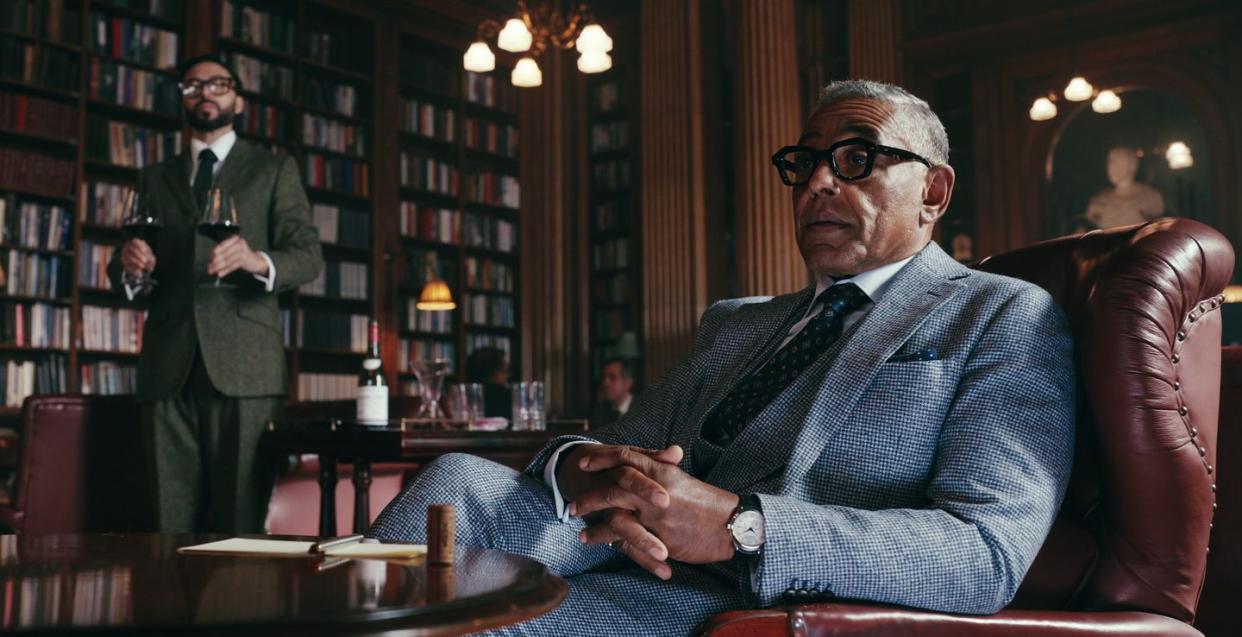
(937, 190)
(239, 104)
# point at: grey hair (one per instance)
(913, 117)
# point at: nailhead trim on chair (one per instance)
(1192, 317)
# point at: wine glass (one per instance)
(141, 222)
(430, 373)
(219, 219)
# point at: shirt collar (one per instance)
(872, 282)
(624, 405)
(220, 147)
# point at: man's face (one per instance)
(204, 111)
(846, 227)
(615, 386)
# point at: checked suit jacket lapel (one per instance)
(792, 431)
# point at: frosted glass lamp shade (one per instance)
(526, 74)
(594, 62)
(1078, 89)
(1178, 156)
(515, 37)
(1106, 102)
(479, 58)
(436, 297)
(593, 39)
(1043, 109)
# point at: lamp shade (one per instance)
(593, 39)
(526, 74)
(1106, 102)
(515, 37)
(594, 62)
(479, 58)
(1078, 89)
(1043, 109)
(1178, 156)
(436, 297)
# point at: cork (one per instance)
(441, 586)
(441, 533)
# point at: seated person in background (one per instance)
(899, 431)
(1128, 202)
(489, 367)
(616, 388)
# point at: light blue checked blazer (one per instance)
(920, 461)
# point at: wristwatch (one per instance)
(746, 527)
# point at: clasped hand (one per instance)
(227, 257)
(640, 501)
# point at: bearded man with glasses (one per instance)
(899, 431)
(212, 368)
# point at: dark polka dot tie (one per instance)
(754, 393)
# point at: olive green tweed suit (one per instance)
(215, 353)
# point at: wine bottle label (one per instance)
(372, 405)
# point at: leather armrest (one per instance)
(844, 619)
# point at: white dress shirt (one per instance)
(872, 282)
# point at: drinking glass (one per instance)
(141, 222)
(457, 403)
(219, 218)
(430, 373)
(528, 413)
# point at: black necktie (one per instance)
(202, 177)
(754, 393)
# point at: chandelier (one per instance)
(535, 32)
(1078, 90)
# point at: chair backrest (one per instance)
(1143, 305)
(81, 466)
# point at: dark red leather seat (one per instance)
(1128, 552)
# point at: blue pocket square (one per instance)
(929, 354)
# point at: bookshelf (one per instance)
(309, 91)
(615, 254)
(458, 213)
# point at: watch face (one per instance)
(747, 530)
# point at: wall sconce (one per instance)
(1077, 90)
(535, 32)
(1178, 155)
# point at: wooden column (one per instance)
(875, 40)
(672, 181)
(767, 107)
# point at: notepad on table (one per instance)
(294, 548)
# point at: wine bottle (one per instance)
(372, 406)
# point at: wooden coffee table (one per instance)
(138, 584)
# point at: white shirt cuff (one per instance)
(549, 477)
(129, 284)
(269, 281)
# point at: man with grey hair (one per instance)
(900, 431)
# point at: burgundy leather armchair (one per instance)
(1128, 552)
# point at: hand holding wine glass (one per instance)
(141, 228)
(219, 223)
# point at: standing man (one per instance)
(616, 387)
(212, 370)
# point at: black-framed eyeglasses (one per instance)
(213, 86)
(850, 159)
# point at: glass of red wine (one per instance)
(141, 222)
(219, 219)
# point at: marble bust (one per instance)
(1128, 201)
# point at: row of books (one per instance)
(488, 310)
(501, 139)
(611, 254)
(329, 95)
(47, 375)
(611, 323)
(130, 145)
(438, 322)
(47, 19)
(93, 264)
(488, 232)
(421, 264)
(340, 280)
(425, 173)
(34, 325)
(107, 378)
(171, 10)
(476, 341)
(613, 289)
(31, 224)
(28, 114)
(337, 173)
(610, 215)
(332, 329)
(272, 80)
(254, 26)
(263, 120)
(427, 73)
(429, 224)
(104, 203)
(108, 329)
(488, 274)
(333, 135)
(127, 39)
(122, 84)
(494, 189)
(342, 226)
(429, 120)
(33, 274)
(612, 135)
(320, 48)
(611, 175)
(421, 349)
(314, 386)
(34, 64)
(36, 173)
(484, 90)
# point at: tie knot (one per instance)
(843, 298)
(206, 156)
